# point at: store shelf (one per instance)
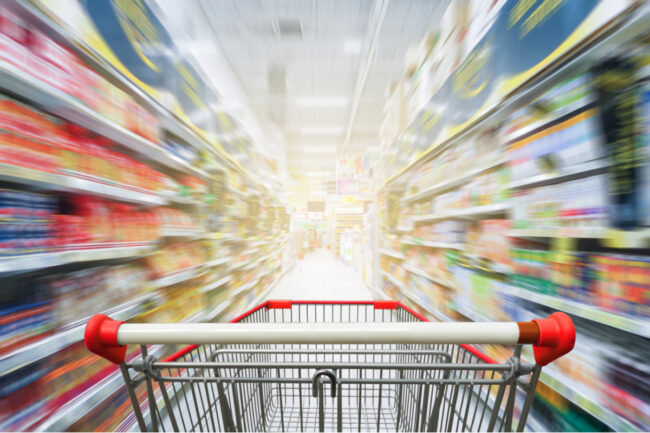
(611, 238)
(244, 287)
(48, 346)
(173, 232)
(635, 325)
(66, 183)
(393, 280)
(569, 173)
(565, 67)
(217, 310)
(29, 262)
(391, 253)
(220, 282)
(569, 232)
(238, 265)
(417, 271)
(454, 182)
(557, 113)
(227, 238)
(178, 277)
(476, 212)
(67, 415)
(181, 200)
(573, 394)
(442, 245)
(218, 262)
(439, 315)
(56, 102)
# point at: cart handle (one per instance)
(551, 337)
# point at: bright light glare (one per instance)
(352, 46)
(318, 130)
(318, 173)
(319, 149)
(329, 101)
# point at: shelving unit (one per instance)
(65, 183)
(391, 253)
(429, 244)
(29, 262)
(50, 345)
(476, 212)
(32, 353)
(417, 271)
(636, 325)
(422, 191)
(454, 182)
(58, 103)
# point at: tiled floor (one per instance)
(320, 276)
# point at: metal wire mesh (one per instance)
(387, 387)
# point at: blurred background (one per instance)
(166, 161)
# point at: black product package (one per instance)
(618, 97)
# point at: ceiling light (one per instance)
(319, 149)
(316, 130)
(352, 46)
(318, 173)
(326, 101)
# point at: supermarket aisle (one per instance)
(320, 276)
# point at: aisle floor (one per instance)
(320, 276)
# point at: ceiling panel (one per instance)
(315, 63)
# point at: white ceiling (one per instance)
(274, 67)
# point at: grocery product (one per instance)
(32, 51)
(33, 139)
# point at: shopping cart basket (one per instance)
(345, 366)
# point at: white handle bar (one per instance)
(551, 337)
(320, 333)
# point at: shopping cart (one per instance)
(345, 366)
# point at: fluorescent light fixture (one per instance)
(325, 101)
(318, 130)
(319, 149)
(352, 46)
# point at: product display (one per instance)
(103, 211)
(480, 164)
(523, 216)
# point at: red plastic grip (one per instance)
(100, 337)
(385, 305)
(279, 304)
(557, 336)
